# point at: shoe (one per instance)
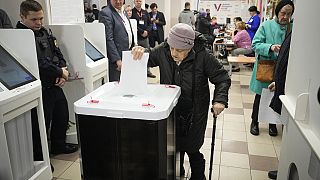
(67, 149)
(273, 130)
(150, 75)
(52, 168)
(254, 129)
(235, 69)
(272, 174)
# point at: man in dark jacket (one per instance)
(278, 85)
(53, 74)
(203, 26)
(184, 63)
(158, 21)
(4, 20)
(119, 36)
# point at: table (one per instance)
(239, 59)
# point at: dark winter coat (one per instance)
(50, 58)
(206, 67)
(142, 16)
(281, 74)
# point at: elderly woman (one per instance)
(184, 61)
(266, 44)
(242, 41)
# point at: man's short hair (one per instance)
(94, 6)
(187, 4)
(153, 5)
(29, 5)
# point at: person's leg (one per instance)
(152, 39)
(254, 127)
(59, 125)
(197, 164)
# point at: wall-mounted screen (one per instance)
(93, 52)
(12, 73)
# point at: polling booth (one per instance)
(127, 128)
(300, 149)
(84, 48)
(20, 92)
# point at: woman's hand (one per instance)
(137, 52)
(217, 108)
(272, 86)
(275, 48)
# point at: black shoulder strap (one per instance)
(132, 35)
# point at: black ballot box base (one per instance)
(126, 149)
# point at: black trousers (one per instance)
(154, 37)
(197, 164)
(56, 115)
(255, 108)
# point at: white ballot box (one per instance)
(121, 135)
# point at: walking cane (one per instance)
(212, 142)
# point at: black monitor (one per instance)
(228, 20)
(93, 52)
(12, 73)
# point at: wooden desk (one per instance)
(239, 59)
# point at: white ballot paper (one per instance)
(133, 79)
(266, 114)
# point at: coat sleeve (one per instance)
(48, 68)
(193, 21)
(109, 24)
(259, 42)
(46, 65)
(255, 24)
(149, 24)
(179, 18)
(162, 19)
(155, 55)
(219, 77)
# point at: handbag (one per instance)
(265, 70)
